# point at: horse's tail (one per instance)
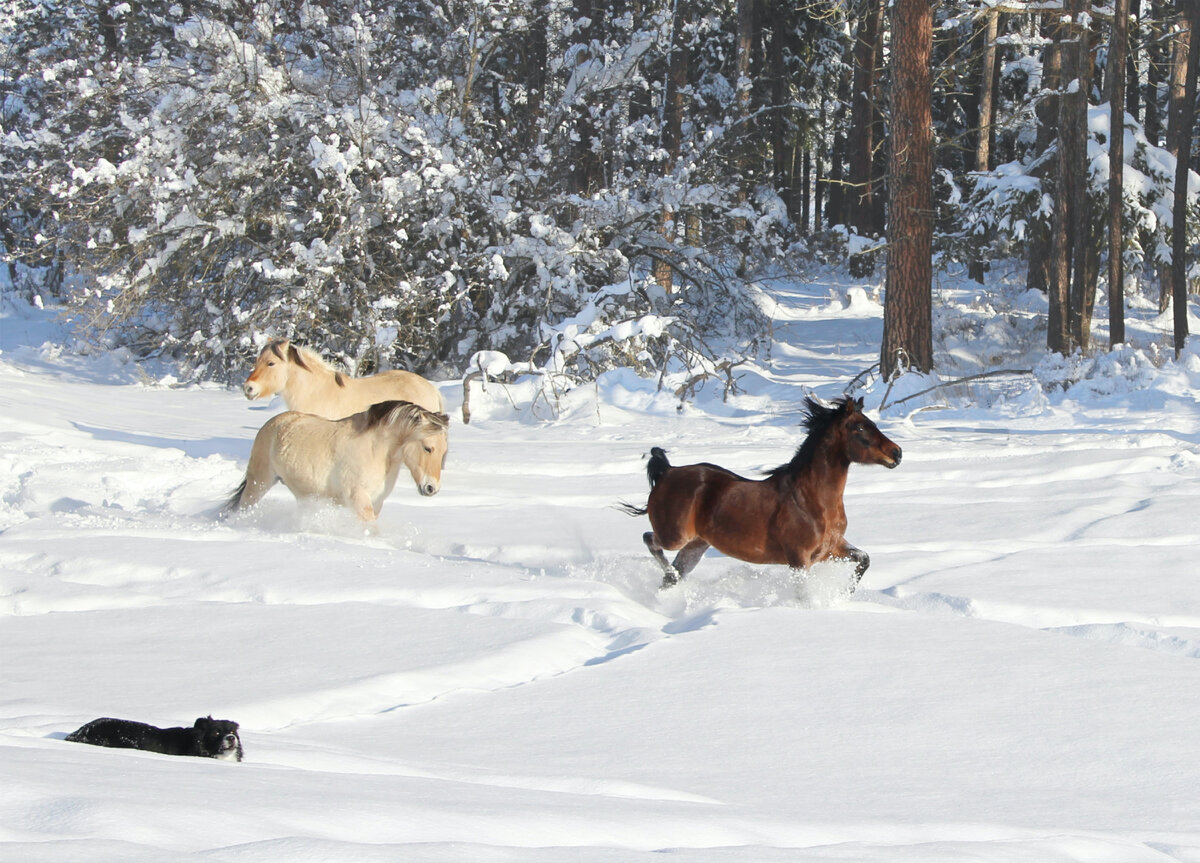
(657, 466)
(231, 505)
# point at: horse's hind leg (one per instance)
(258, 481)
(670, 574)
(689, 556)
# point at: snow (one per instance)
(496, 676)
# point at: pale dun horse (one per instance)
(309, 384)
(354, 461)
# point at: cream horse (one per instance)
(354, 461)
(309, 384)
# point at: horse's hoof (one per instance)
(670, 579)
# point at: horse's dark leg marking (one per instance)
(861, 559)
(670, 576)
(689, 556)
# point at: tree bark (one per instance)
(1183, 116)
(835, 199)
(1047, 119)
(1157, 61)
(908, 312)
(1086, 267)
(1115, 75)
(987, 81)
(672, 130)
(1063, 236)
(746, 32)
(806, 193)
(784, 151)
(1133, 90)
(862, 120)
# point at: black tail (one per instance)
(657, 466)
(231, 505)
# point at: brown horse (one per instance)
(794, 516)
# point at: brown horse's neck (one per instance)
(822, 481)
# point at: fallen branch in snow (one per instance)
(508, 376)
(466, 405)
(860, 378)
(726, 367)
(968, 379)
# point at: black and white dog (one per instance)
(208, 738)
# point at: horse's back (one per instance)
(303, 449)
(395, 385)
(730, 512)
(683, 495)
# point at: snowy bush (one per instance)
(1005, 203)
(391, 185)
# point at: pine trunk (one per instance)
(1183, 117)
(1115, 75)
(1070, 159)
(862, 120)
(987, 82)
(1085, 269)
(908, 313)
(1047, 121)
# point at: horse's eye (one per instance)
(428, 449)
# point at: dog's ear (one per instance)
(202, 721)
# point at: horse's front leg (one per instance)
(359, 501)
(858, 557)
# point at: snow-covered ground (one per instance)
(496, 677)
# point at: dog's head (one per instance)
(218, 738)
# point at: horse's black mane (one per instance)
(378, 413)
(381, 412)
(818, 419)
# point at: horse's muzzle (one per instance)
(251, 390)
(427, 489)
(897, 455)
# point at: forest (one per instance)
(572, 186)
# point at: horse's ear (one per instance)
(858, 404)
(295, 357)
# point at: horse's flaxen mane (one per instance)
(818, 419)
